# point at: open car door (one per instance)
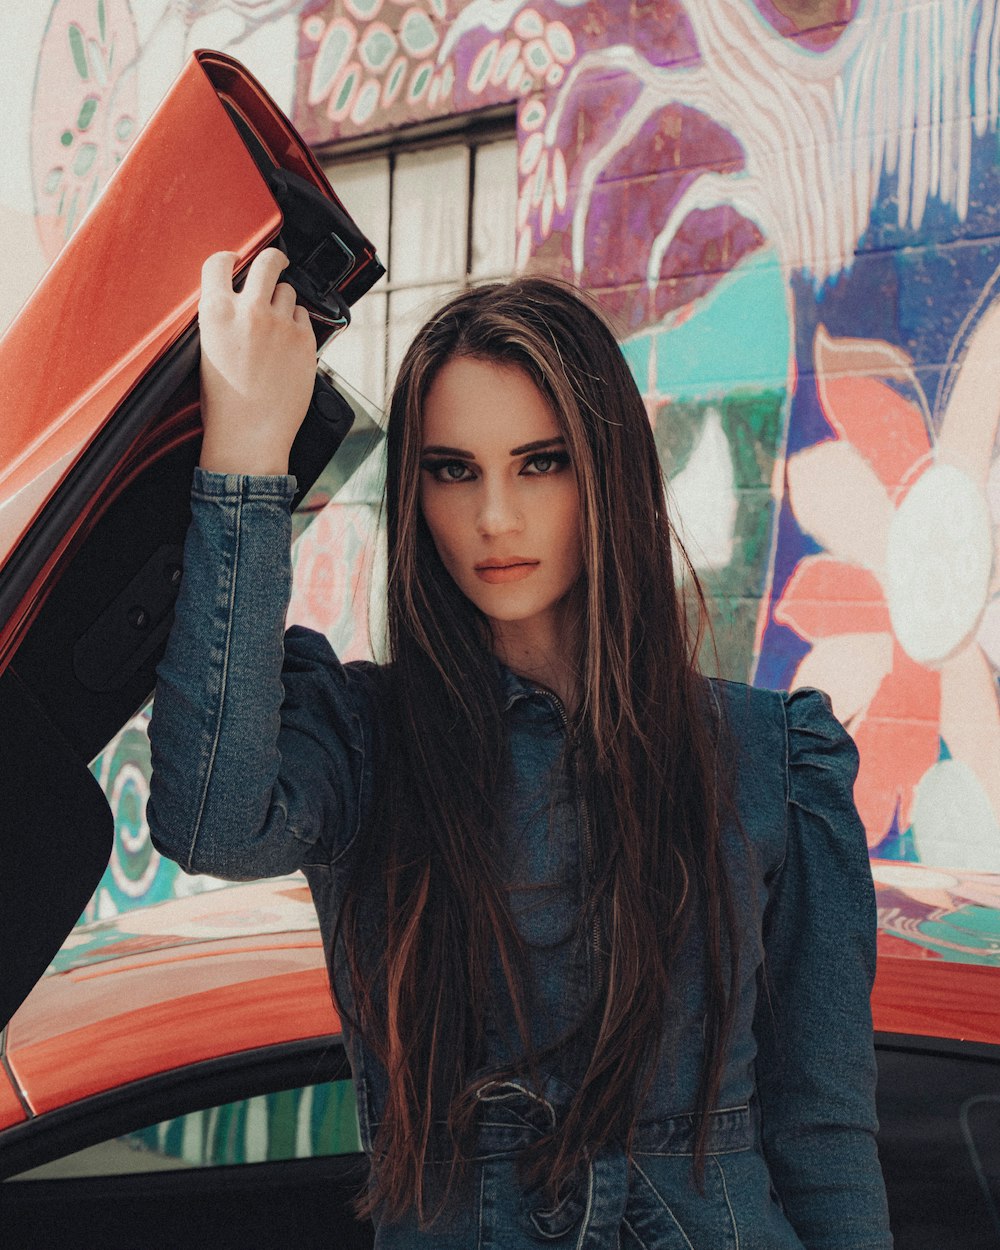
(99, 437)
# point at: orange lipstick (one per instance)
(507, 569)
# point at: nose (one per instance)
(499, 513)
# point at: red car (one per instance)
(159, 1044)
(99, 439)
(100, 435)
(180, 1068)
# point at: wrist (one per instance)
(250, 459)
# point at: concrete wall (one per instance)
(790, 210)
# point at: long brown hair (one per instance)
(422, 987)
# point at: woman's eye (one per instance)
(546, 463)
(448, 470)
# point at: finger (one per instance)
(217, 274)
(263, 274)
(301, 318)
(283, 299)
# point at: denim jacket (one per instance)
(265, 752)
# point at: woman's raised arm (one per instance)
(258, 739)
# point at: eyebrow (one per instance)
(436, 449)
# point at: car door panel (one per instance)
(99, 373)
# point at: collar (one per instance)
(513, 687)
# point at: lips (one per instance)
(506, 569)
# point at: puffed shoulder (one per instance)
(822, 760)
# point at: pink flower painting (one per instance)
(901, 606)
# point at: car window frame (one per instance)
(51, 1135)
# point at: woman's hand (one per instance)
(258, 362)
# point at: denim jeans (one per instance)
(266, 754)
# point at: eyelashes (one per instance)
(557, 459)
(541, 464)
(446, 471)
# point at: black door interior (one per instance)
(87, 663)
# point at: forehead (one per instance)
(483, 407)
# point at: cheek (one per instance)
(566, 530)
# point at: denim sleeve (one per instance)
(258, 738)
(816, 1060)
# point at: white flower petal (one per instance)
(988, 636)
(838, 499)
(993, 490)
(938, 561)
(850, 668)
(969, 426)
(970, 718)
(953, 821)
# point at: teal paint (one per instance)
(738, 337)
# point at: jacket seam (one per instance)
(224, 680)
(665, 1205)
(788, 788)
(479, 1230)
(632, 1230)
(729, 1205)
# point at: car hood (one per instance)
(101, 432)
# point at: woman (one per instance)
(601, 931)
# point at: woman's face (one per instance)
(498, 492)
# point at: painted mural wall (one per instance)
(791, 212)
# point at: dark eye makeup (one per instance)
(552, 461)
(541, 464)
(447, 470)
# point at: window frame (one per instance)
(474, 131)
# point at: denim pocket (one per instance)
(733, 1211)
(666, 1210)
